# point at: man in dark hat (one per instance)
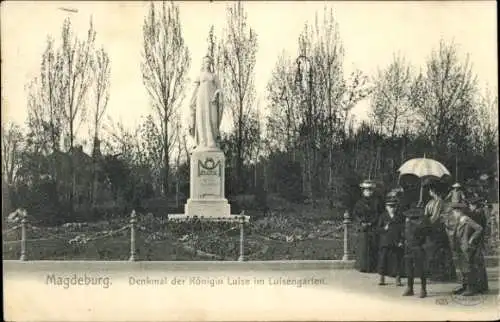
(390, 227)
(417, 228)
(366, 212)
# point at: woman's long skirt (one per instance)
(367, 251)
(390, 261)
(439, 257)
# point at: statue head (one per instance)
(207, 64)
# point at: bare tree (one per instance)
(57, 98)
(237, 52)
(77, 78)
(330, 97)
(181, 142)
(486, 127)
(148, 154)
(165, 65)
(12, 146)
(391, 95)
(283, 121)
(122, 141)
(253, 135)
(45, 100)
(214, 49)
(101, 69)
(444, 96)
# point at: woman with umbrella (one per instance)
(366, 211)
(440, 259)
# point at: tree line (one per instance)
(307, 149)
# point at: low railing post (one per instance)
(133, 221)
(242, 239)
(24, 221)
(347, 224)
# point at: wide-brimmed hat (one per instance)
(456, 185)
(484, 176)
(368, 184)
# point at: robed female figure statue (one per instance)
(206, 107)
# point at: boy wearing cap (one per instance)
(366, 212)
(390, 227)
(417, 228)
(464, 233)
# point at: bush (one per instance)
(289, 183)
(163, 206)
(350, 191)
(261, 200)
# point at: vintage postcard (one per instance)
(250, 161)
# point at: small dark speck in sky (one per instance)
(68, 9)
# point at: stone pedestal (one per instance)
(206, 190)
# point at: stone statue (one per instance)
(206, 108)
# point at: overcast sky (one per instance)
(371, 32)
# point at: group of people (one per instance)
(422, 242)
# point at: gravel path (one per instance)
(142, 293)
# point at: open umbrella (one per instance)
(423, 167)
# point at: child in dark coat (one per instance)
(417, 228)
(390, 227)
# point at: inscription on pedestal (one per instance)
(209, 176)
(207, 185)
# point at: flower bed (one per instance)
(274, 237)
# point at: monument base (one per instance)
(207, 208)
(207, 198)
(234, 218)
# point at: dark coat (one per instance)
(478, 266)
(367, 210)
(463, 233)
(394, 234)
(366, 213)
(390, 229)
(479, 217)
(417, 229)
